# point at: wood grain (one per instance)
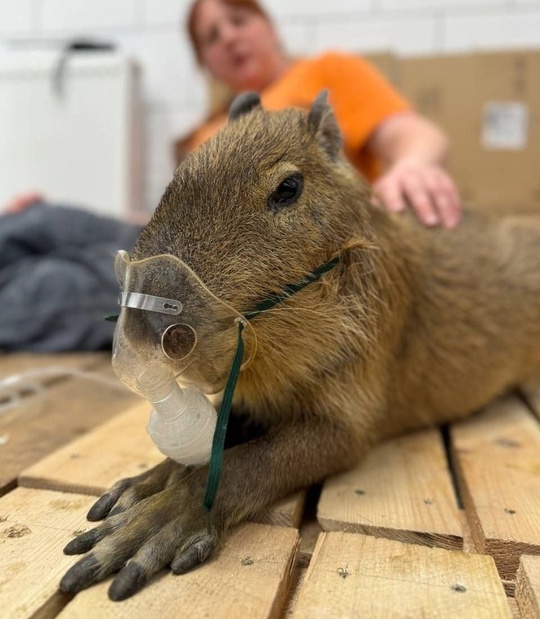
(286, 512)
(92, 463)
(528, 587)
(34, 527)
(497, 456)
(401, 491)
(353, 575)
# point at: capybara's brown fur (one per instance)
(414, 326)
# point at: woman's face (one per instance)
(238, 46)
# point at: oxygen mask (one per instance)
(172, 332)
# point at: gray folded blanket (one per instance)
(57, 280)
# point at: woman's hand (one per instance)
(22, 201)
(412, 151)
(425, 188)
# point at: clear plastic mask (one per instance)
(169, 318)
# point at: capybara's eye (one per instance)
(288, 191)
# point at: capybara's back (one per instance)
(473, 325)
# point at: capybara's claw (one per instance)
(83, 574)
(138, 571)
(192, 555)
(127, 582)
(83, 543)
(101, 508)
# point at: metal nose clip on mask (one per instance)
(171, 328)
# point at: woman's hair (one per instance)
(191, 20)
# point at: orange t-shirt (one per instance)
(360, 97)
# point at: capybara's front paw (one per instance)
(127, 492)
(169, 528)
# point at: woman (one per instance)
(401, 153)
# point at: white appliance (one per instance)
(71, 128)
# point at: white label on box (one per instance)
(505, 125)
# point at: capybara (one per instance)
(412, 327)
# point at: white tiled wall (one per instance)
(173, 89)
(78, 15)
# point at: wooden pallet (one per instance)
(424, 527)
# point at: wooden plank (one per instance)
(95, 461)
(401, 491)
(514, 608)
(34, 527)
(286, 512)
(528, 587)
(249, 578)
(353, 575)
(16, 363)
(25, 375)
(497, 458)
(64, 411)
(117, 449)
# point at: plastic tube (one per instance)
(182, 421)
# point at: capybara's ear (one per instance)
(242, 104)
(322, 119)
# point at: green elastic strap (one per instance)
(290, 289)
(216, 455)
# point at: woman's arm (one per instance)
(413, 152)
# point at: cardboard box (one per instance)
(388, 64)
(489, 104)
